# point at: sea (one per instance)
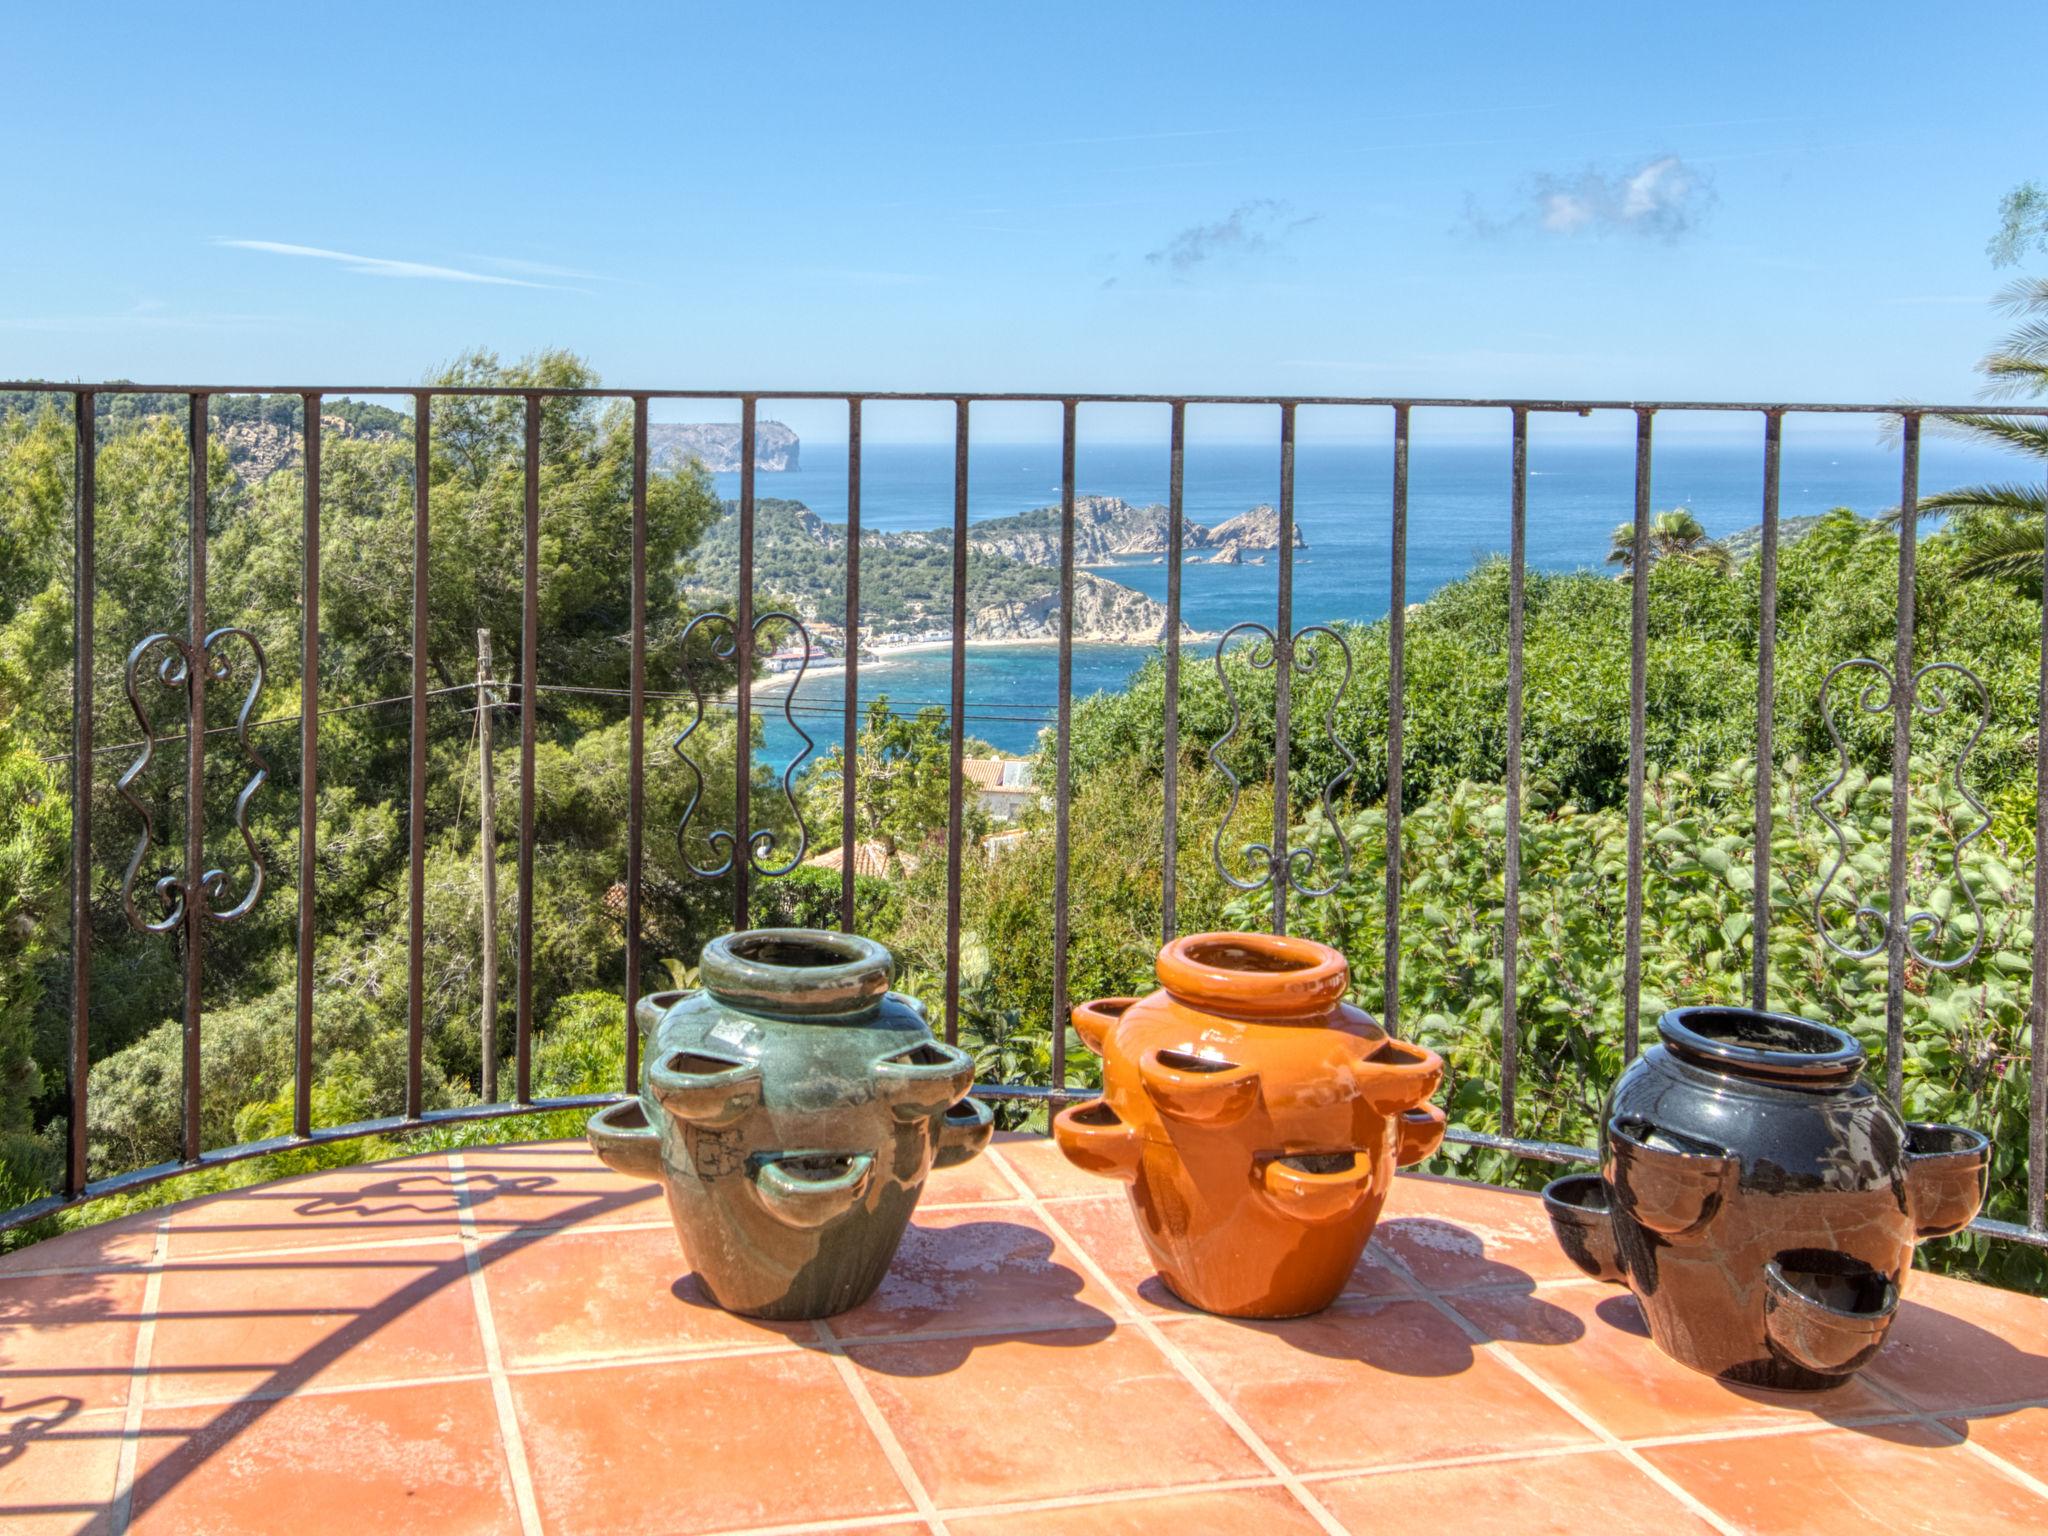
(1458, 498)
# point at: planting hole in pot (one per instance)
(1320, 1162)
(1584, 1196)
(1223, 955)
(1666, 1141)
(1098, 1116)
(923, 1055)
(1187, 1061)
(794, 954)
(627, 1118)
(1838, 1282)
(815, 1167)
(1924, 1140)
(691, 1064)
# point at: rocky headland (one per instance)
(716, 445)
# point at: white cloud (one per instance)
(381, 266)
(1663, 198)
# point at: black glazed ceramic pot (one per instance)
(1760, 1199)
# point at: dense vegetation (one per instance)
(906, 580)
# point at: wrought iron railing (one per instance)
(192, 663)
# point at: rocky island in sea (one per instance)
(716, 445)
(1013, 591)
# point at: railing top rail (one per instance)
(1040, 397)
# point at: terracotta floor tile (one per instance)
(1590, 1343)
(1903, 1477)
(1452, 1234)
(129, 1240)
(1548, 1496)
(69, 1338)
(553, 1185)
(970, 1183)
(992, 1421)
(608, 1294)
(57, 1466)
(979, 1270)
(2020, 1436)
(374, 1203)
(1956, 1346)
(1046, 1171)
(239, 1323)
(1368, 1384)
(1225, 1512)
(402, 1459)
(707, 1445)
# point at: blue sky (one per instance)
(1624, 201)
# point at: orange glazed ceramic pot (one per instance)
(1257, 1117)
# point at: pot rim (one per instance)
(848, 974)
(1255, 975)
(1828, 1055)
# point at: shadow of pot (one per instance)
(1583, 1219)
(1825, 1312)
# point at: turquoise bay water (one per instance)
(1458, 513)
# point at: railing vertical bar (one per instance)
(743, 642)
(1898, 931)
(1511, 909)
(956, 724)
(1061, 844)
(2037, 1061)
(416, 924)
(1283, 671)
(849, 752)
(529, 687)
(1169, 901)
(195, 772)
(1397, 706)
(636, 744)
(1638, 694)
(309, 764)
(1766, 717)
(84, 494)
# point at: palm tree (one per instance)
(1674, 535)
(1998, 527)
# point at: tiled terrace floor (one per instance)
(507, 1339)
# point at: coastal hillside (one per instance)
(906, 582)
(1108, 529)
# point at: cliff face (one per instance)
(1103, 610)
(1108, 528)
(259, 449)
(716, 445)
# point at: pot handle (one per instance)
(707, 1091)
(1946, 1170)
(963, 1132)
(1316, 1195)
(622, 1138)
(801, 1196)
(919, 1081)
(1672, 1193)
(1094, 1020)
(1096, 1139)
(1422, 1132)
(1196, 1089)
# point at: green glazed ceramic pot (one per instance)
(791, 1110)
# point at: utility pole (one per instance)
(487, 851)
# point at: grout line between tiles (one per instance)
(123, 1507)
(1935, 1422)
(494, 1362)
(1205, 1388)
(1109, 1496)
(878, 1426)
(1481, 1340)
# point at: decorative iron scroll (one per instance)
(760, 844)
(1306, 649)
(173, 670)
(1929, 698)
